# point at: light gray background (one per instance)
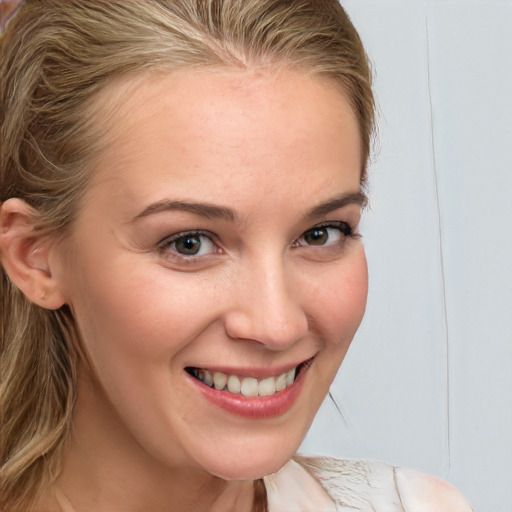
(427, 382)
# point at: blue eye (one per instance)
(190, 244)
(326, 234)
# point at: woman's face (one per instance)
(217, 241)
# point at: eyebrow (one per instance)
(358, 198)
(211, 211)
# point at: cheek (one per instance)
(356, 290)
(340, 302)
(339, 298)
(128, 316)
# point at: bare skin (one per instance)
(219, 231)
(192, 490)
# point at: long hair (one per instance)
(55, 59)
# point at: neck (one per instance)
(105, 469)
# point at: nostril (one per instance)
(239, 325)
(266, 310)
(267, 330)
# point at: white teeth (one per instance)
(246, 386)
(290, 377)
(234, 384)
(219, 380)
(281, 382)
(208, 379)
(267, 387)
(249, 387)
(204, 376)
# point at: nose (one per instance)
(266, 307)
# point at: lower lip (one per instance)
(253, 407)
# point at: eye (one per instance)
(190, 244)
(325, 234)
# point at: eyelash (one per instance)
(343, 227)
(164, 246)
(166, 243)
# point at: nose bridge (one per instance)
(266, 308)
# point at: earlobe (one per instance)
(25, 255)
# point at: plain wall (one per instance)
(427, 382)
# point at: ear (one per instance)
(26, 255)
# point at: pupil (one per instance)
(317, 236)
(188, 245)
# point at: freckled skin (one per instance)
(270, 147)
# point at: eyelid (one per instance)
(345, 227)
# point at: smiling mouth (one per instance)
(248, 386)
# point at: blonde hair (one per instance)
(56, 56)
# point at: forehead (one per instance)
(267, 127)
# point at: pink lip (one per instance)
(253, 407)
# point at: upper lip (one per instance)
(252, 371)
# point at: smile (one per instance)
(247, 386)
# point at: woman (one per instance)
(182, 272)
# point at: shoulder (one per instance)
(365, 485)
(425, 493)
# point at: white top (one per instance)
(323, 484)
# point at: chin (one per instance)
(251, 463)
(251, 470)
